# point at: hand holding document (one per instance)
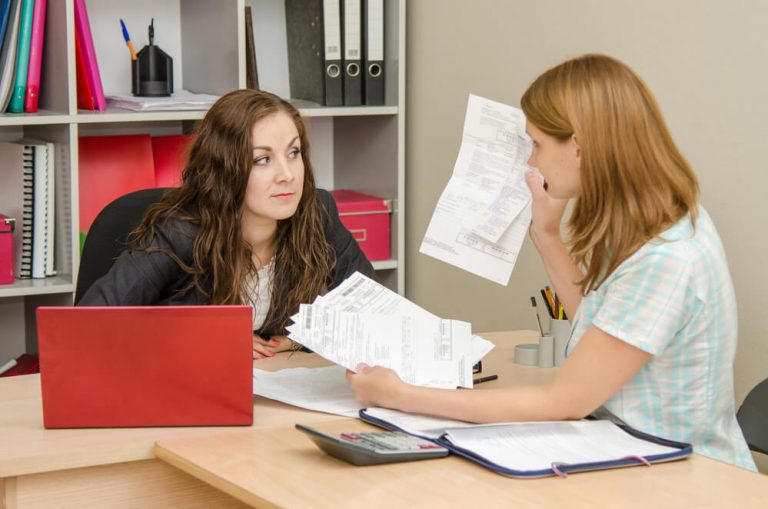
(482, 217)
(363, 321)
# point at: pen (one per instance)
(482, 379)
(538, 318)
(546, 303)
(128, 40)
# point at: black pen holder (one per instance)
(152, 73)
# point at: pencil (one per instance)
(482, 379)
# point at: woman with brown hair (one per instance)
(247, 225)
(643, 273)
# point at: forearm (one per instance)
(529, 403)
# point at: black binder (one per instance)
(373, 52)
(352, 43)
(313, 30)
(388, 419)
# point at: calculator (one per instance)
(374, 448)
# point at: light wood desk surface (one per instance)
(281, 467)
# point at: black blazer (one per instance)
(142, 278)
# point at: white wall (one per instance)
(707, 63)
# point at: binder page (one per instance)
(417, 424)
(321, 389)
(538, 445)
(483, 214)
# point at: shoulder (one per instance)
(326, 200)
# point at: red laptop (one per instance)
(146, 366)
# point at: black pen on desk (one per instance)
(538, 318)
(482, 379)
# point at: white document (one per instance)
(320, 389)
(527, 446)
(483, 215)
(363, 321)
(537, 445)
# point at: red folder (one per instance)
(84, 96)
(111, 166)
(170, 154)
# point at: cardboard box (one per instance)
(367, 218)
(6, 250)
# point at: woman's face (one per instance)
(276, 180)
(557, 160)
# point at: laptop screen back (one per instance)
(146, 366)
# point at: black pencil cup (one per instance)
(152, 73)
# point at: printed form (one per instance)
(363, 321)
(483, 215)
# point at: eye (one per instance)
(261, 161)
(294, 153)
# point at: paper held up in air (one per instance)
(482, 217)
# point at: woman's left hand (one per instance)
(263, 348)
(376, 386)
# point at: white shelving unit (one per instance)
(357, 148)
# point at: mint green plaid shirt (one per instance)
(674, 299)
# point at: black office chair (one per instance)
(108, 235)
(753, 418)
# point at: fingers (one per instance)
(535, 183)
(362, 367)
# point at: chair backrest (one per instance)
(753, 417)
(108, 235)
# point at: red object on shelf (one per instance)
(367, 218)
(26, 364)
(170, 154)
(6, 250)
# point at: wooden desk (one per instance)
(280, 467)
(110, 467)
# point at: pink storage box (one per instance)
(367, 218)
(6, 250)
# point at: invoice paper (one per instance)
(363, 321)
(483, 215)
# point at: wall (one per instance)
(707, 63)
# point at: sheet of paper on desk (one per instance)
(482, 217)
(363, 321)
(536, 445)
(321, 389)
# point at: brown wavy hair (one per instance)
(634, 182)
(212, 196)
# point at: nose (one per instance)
(284, 171)
(532, 159)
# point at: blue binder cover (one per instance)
(5, 11)
(680, 451)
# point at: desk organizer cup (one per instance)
(152, 73)
(561, 332)
(527, 354)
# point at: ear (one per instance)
(577, 147)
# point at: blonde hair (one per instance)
(634, 182)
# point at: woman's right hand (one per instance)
(546, 212)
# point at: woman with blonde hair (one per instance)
(643, 273)
(247, 225)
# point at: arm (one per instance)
(349, 256)
(598, 367)
(545, 233)
(140, 277)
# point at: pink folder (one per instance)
(35, 57)
(83, 27)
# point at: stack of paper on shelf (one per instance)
(363, 321)
(179, 100)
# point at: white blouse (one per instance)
(259, 288)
